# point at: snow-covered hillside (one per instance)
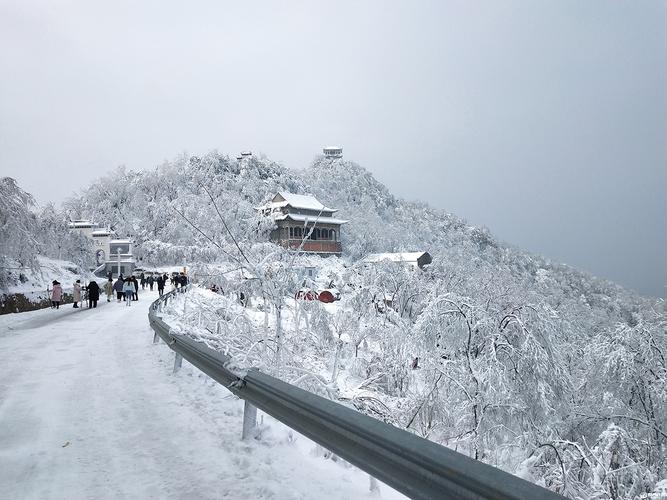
(28, 288)
(37, 281)
(526, 364)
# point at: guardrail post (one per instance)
(156, 338)
(178, 361)
(375, 487)
(249, 421)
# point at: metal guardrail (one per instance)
(414, 466)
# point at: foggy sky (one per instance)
(544, 121)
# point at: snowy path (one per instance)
(89, 409)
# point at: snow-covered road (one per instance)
(89, 409)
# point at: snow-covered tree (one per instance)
(513, 359)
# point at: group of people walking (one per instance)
(149, 281)
(176, 280)
(179, 280)
(126, 289)
(90, 293)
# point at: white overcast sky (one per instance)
(545, 121)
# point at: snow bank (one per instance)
(30, 288)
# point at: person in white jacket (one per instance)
(128, 288)
(76, 294)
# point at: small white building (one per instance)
(106, 248)
(101, 239)
(120, 260)
(416, 259)
(333, 152)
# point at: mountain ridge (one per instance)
(379, 221)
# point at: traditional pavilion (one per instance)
(303, 222)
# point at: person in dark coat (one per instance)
(183, 281)
(135, 295)
(93, 294)
(160, 285)
(150, 280)
(118, 288)
(142, 279)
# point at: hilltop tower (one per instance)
(333, 152)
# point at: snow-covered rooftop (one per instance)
(407, 257)
(81, 224)
(303, 201)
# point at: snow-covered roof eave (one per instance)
(310, 219)
(282, 204)
(304, 201)
(297, 201)
(82, 224)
